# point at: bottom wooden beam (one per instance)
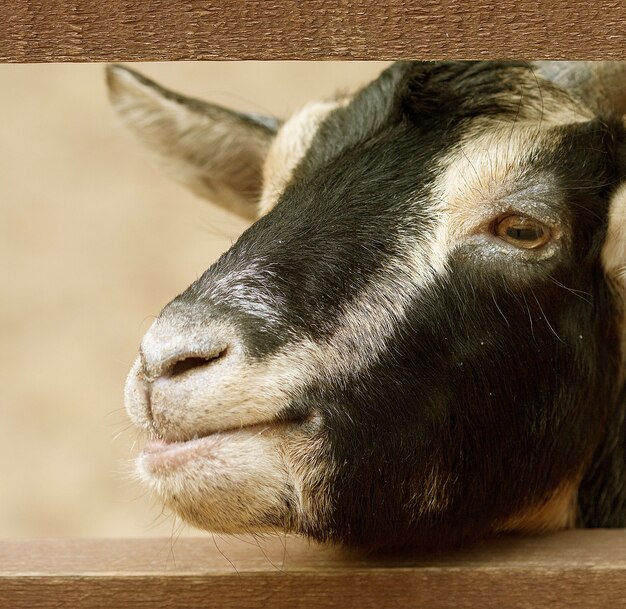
(582, 568)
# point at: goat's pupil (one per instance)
(524, 234)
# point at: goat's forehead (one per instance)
(484, 168)
(496, 143)
(485, 173)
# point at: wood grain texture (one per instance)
(575, 569)
(132, 30)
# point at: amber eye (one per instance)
(522, 231)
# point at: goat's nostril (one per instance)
(190, 363)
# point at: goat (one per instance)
(420, 340)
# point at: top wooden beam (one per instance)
(140, 30)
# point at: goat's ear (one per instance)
(217, 153)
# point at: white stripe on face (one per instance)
(614, 257)
(614, 250)
(290, 146)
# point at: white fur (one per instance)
(211, 479)
(289, 148)
(262, 300)
(614, 250)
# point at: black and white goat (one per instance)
(421, 340)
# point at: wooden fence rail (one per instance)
(128, 30)
(575, 569)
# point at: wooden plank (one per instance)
(128, 30)
(581, 568)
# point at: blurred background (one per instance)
(94, 240)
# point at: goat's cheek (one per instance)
(227, 482)
(312, 474)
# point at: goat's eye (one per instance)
(522, 231)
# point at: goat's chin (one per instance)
(228, 482)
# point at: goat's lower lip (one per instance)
(163, 458)
(161, 452)
(158, 446)
(154, 447)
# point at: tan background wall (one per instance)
(94, 240)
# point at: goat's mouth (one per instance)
(161, 448)
(229, 481)
(162, 456)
